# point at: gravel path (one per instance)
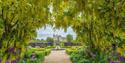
(57, 57)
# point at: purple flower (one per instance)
(0, 61)
(7, 50)
(7, 61)
(11, 49)
(13, 61)
(122, 58)
(115, 62)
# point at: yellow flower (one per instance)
(120, 50)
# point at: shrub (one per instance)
(81, 55)
(40, 54)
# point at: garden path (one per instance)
(57, 56)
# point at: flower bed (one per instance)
(84, 55)
(40, 54)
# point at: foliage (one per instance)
(38, 40)
(19, 20)
(49, 39)
(69, 38)
(85, 55)
(98, 24)
(71, 50)
(40, 52)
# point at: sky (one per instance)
(43, 33)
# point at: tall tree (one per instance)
(69, 38)
(18, 22)
(97, 22)
(49, 39)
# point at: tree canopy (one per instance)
(49, 39)
(97, 22)
(69, 38)
(19, 20)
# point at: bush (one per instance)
(71, 50)
(80, 55)
(40, 54)
(47, 51)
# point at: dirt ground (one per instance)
(58, 56)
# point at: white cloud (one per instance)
(49, 31)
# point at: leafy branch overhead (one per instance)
(97, 22)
